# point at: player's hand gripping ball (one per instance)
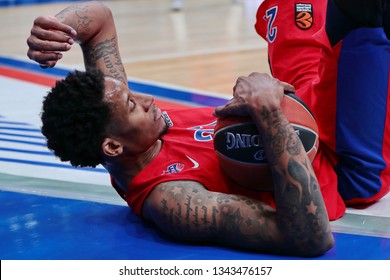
(240, 153)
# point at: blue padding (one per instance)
(39, 227)
(33, 67)
(5, 3)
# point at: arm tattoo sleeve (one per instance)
(108, 53)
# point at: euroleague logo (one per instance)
(304, 16)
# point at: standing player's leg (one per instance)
(294, 54)
(288, 27)
(351, 98)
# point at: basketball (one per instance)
(239, 150)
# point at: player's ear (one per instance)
(112, 147)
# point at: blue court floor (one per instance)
(41, 227)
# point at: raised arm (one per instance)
(91, 25)
(298, 226)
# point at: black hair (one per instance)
(75, 118)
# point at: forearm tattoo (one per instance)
(298, 197)
(103, 55)
(280, 136)
(107, 52)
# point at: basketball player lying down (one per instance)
(163, 163)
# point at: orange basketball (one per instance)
(240, 153)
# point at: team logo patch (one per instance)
(173, 168)
(304, 16)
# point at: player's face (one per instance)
(137, 121)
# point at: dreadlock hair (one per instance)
(74, 118)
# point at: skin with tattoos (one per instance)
(186, 210)
(81, 23)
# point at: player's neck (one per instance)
(125, 167)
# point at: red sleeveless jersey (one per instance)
(187, 154)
